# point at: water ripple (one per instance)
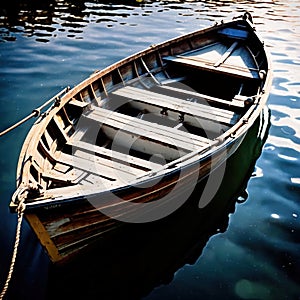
(77, 14)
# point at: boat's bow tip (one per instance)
(246, 16)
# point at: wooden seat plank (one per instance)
(202, 97)
(101, 167)
(78, 103)
(156, 132)
(179, 105)
(197, 62)
(116, 156)
(226, 54)
(93, 164)
(84, 167)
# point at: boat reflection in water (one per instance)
(141, 257)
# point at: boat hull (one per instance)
(65, 229)
(89, 164)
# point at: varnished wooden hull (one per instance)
(127, 145)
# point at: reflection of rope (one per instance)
(20, 210)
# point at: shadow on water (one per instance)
(140, 258)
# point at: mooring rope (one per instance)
(36, 112)
(20, 210)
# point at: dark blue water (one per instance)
(47, 45)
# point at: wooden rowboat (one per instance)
(130, 143)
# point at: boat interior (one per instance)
(149, 112)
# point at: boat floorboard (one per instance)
(159, 133)
(83, 164)
(103, 167)
(116, 156)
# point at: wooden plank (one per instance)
(48, 138)
(58, 124)
(73, 176)
(179, 105)
(234, 33)
(73, 243)
(61, 171)
(149, 72)
(226, 54)
(92, 164)
(197, 62)
(61, 168)
(166, 149)
(116, 156)
(44, 237)
(58, 177)
(78, 134)
(147, 129)
(77, 189)
(102, 167)
(81, 104)
(114, 164)
(202, 97)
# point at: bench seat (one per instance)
(202, 64)
(201, 111)
(145, 136)
(222, 103)
(115, 156)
